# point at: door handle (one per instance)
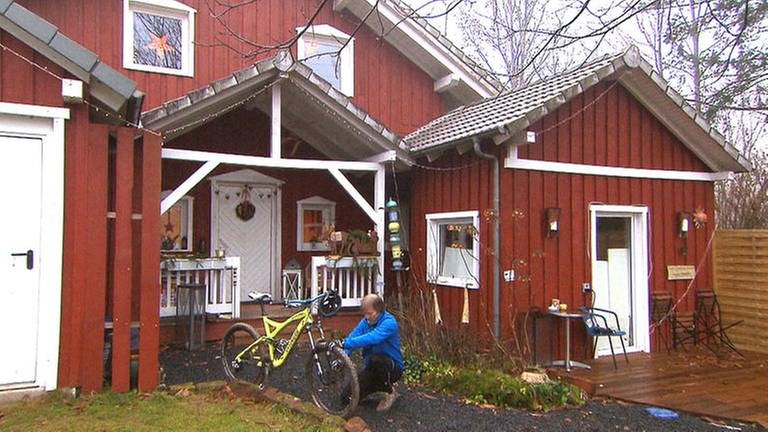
(30, 258)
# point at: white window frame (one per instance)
(328, 208)
(168, 8)
(433, 221)
(346, 56)
(190, 202)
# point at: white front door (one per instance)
(620, 273)
(21, 180)
(253, 240)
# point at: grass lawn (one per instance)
(217, 410)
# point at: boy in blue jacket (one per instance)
(378, 336)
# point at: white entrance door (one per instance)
(20, 226)
(256, 240)
(619, 272)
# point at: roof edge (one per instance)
(111, 89)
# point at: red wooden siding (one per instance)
(387, 85)
(615, 131)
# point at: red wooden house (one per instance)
(141, 125)
(595, 182)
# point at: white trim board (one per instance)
(47, 123)
(513, 161)
(269, 162)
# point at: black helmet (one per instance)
(331, 304)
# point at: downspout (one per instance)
(496, 235)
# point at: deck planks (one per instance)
(695, 382)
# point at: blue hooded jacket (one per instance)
(380, 338)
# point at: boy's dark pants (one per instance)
(378, 376)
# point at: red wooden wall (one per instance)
(387, 85)
(94, 262)
(615, 131)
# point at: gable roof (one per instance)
(111, 89)
(452, 70)
(513, 111)
(312, 109)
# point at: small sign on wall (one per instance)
(680, 272)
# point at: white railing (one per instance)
(353, 278)
(221, 277)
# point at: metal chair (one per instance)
(684, 329)
(661, 310)
(710, 322)
(597, 325)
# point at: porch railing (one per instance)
(352, 277)
(221, 277)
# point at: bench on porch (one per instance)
(220, 275)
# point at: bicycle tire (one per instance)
(253, 369)
(340, 374)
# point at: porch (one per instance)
(259, 170)
(693, 381)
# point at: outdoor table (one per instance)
(568, 363)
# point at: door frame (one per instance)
(256, 179)
(639, 256)
(47, 124)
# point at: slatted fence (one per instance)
(741, 284)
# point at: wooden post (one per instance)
(95, 287)
(121, 313)
(149, 314)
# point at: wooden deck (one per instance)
(695, 382)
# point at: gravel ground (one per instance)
(421, 410)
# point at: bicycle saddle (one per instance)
(260, 297)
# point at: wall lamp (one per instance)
(683, 224)
(552, 226)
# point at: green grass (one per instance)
(198, 411)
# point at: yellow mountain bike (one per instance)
(330, 374)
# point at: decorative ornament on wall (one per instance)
(699, 218)
(245, 210)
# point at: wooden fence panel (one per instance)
(741, 283)
(122, 271)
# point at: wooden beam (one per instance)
(95, 287)
(276, 144)
(149, 315)
(187, 185)
(355, 194)
(122, 269)
(387, 156)
(515, 162)
(268, 162)
(446, 83)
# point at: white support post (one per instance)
(355, 194)
(381, 226)
(187, 185)
(275, 138)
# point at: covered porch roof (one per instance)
(292, 94)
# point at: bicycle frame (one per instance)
(274, 328)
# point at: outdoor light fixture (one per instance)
(683, 224)
(552, 221)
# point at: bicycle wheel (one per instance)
(332, 380)
(252, 367)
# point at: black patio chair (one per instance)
(597, 326)
(710, 322)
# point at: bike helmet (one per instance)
(330, 305)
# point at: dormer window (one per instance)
(320, 48)
(158, 36)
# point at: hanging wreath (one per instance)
(245, 210)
